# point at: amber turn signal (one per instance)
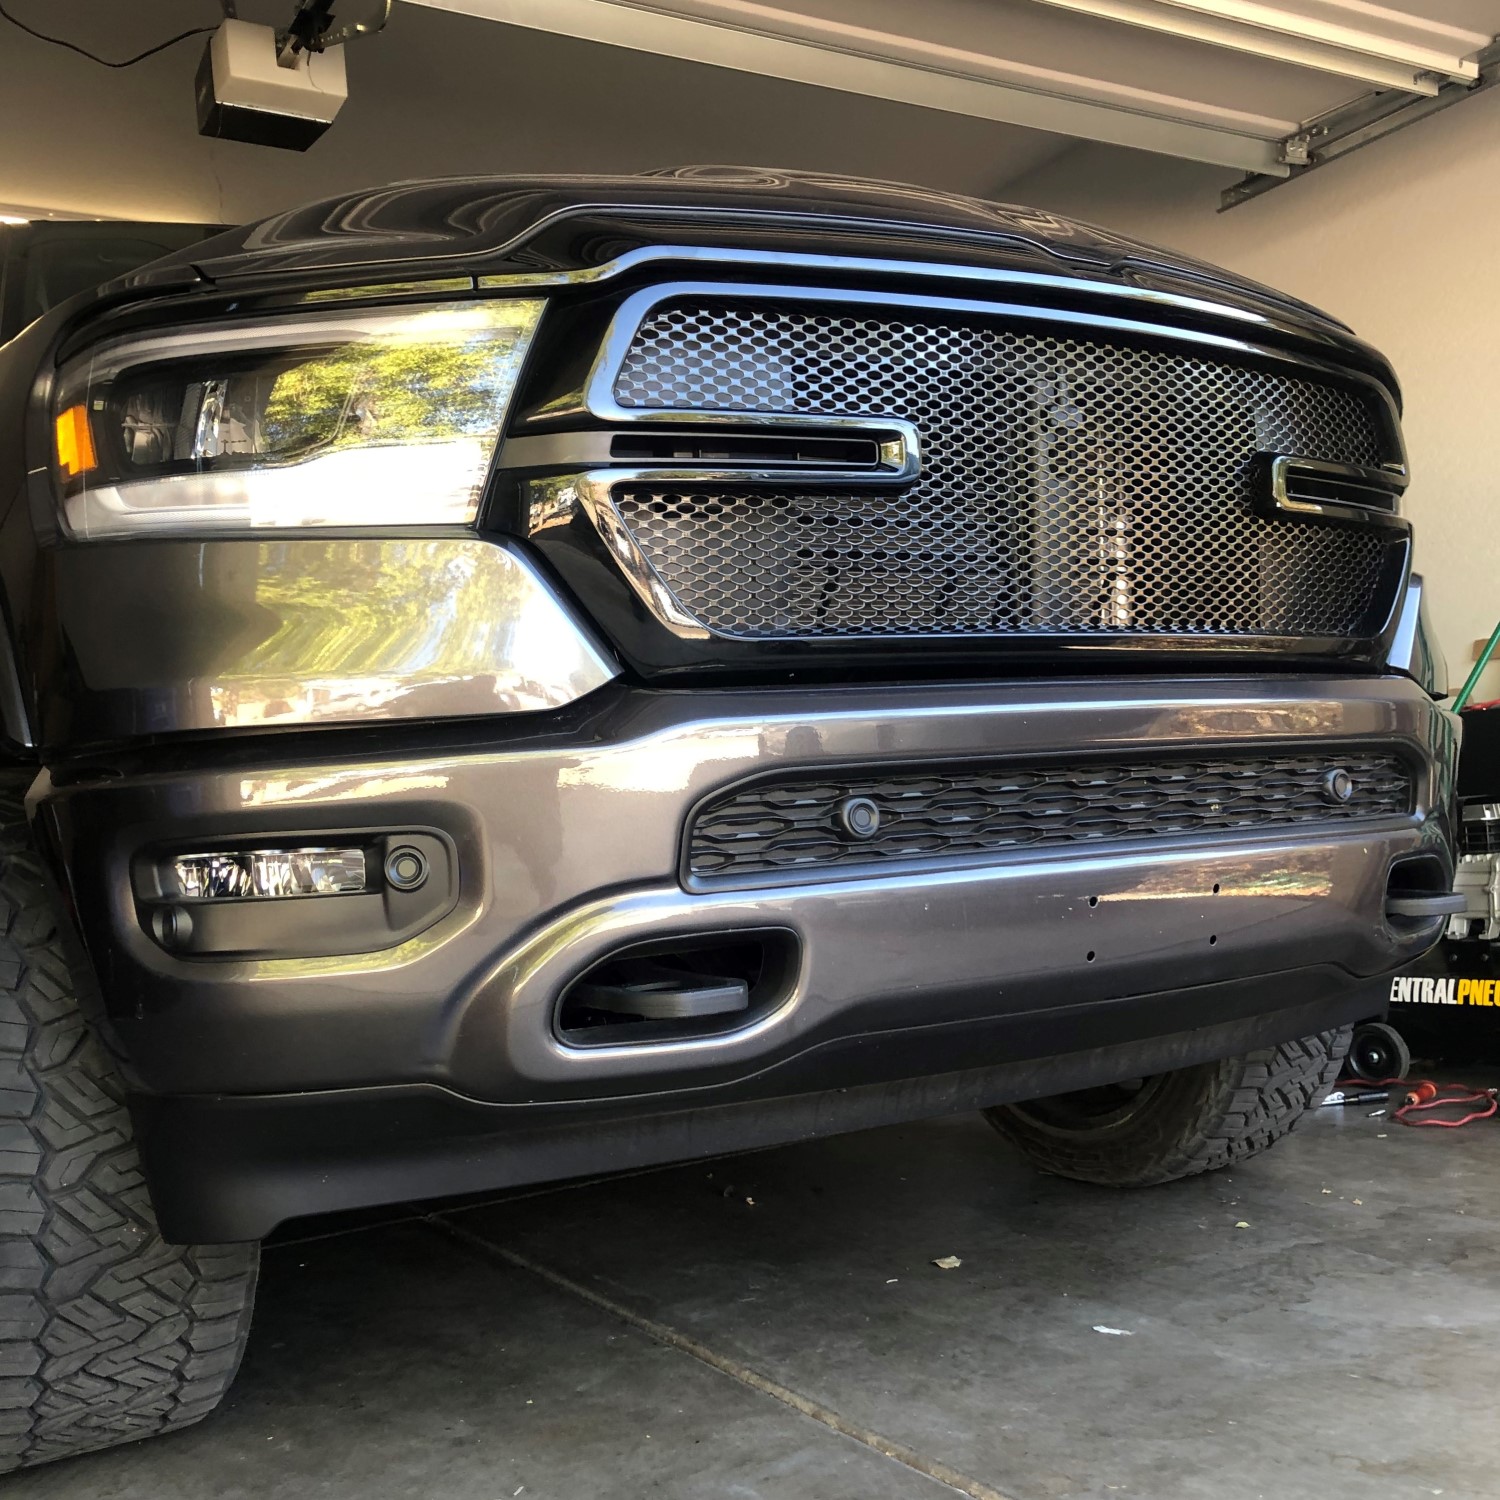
(75, 443)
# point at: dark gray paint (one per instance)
(485, 221)
(297, 628)
(569, 848)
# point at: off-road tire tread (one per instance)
(1213, 1115)
(107, 1333)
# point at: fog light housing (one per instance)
(248, 874)
(258, 899)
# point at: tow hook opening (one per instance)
(1419, 891)
(678, 989)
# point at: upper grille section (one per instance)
(937, 813)
(1069, 486)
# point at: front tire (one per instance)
(1176, 1124)
(107, 1333)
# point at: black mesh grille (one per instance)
(1068, 487)
(938, 813)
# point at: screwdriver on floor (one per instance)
(1361, 1096)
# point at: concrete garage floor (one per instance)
(1343, 1344)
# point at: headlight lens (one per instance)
(362, 419)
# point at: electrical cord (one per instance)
(1427, 1095)
(104, 62)
(313, 38)
(1424, 1094)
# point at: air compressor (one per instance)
(1447, 1003)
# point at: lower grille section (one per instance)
(777, 566)
(863, 818)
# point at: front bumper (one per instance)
(567, 834)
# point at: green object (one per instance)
(1479, 666)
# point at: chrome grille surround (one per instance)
(770, 830)
(1071, 486)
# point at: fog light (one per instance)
(249, 873)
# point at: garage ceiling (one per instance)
(965, 95)
(1230, 82)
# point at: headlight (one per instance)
(358, 419)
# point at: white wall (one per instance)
(1401, 241)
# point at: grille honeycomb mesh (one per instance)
(936, 813)
(1068, 487)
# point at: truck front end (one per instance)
(690, 672)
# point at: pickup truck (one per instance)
(506, 679)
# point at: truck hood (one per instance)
(517, 224)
